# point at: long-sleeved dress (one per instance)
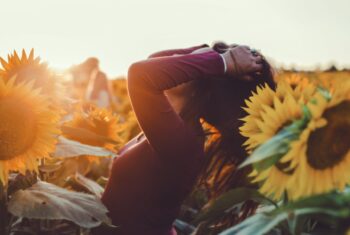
(154, 173)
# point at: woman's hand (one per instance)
(241, 61)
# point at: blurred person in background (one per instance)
(82, 73)
(98, 91)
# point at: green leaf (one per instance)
(264, 223)
(325, 93)
(69, 148)
(50, 202)
(228, 200)
(332, 200)
(183, 226)
(272, 150)
(329, 208)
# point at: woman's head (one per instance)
(219, 102)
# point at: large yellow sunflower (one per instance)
(28, 128)
(262, 107)
(321, 156)
(273, 180)
(29, 68)
(266, 117)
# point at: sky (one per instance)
(301, 33)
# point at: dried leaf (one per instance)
(69, 148)
(87, 184)
(47, 201)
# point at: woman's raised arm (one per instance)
(171, 52)
(164, 128)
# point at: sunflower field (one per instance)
(57, 148)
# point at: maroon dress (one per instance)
(156, 171)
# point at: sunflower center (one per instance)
(328, 146)
(17, 127)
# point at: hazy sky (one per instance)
(64, 32)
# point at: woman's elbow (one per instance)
(138, 74)
(134, 71)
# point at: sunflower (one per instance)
(268, 112)
(321, 156)
(262, 120)
(99, 121)
(263, 97)
(28, 128)
(273, 180)
(296, 79)
(29, 68)
(297, 85)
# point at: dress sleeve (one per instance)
(177, 51)
(163, 127)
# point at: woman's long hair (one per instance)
(218, 102)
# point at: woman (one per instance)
(170, 92)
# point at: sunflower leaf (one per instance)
(272, 150)
(47, 201)
(69, 148)
(86, 184)
(228, 201)
(330, 208)
(264, 223)
(183, 226)
(325, 93)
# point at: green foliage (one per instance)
(228, 201)
(271, 152)
(331, 210)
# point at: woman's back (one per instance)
(144, 194)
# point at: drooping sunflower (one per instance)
(92, 126)
(26, 68)
(28, 128)
(99, 121)
(321, 156)
(263, 97)
(264, 120)
(262, 107)
(273, 180)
